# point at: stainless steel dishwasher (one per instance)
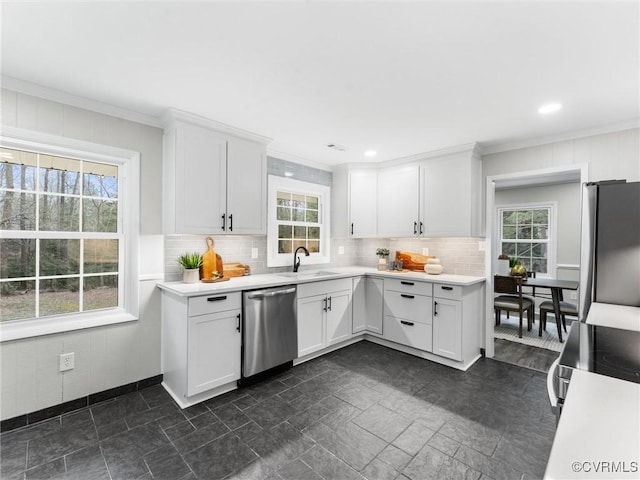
(270, 332)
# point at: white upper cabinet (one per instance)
(451, 187)
(214, 181)
(398, 201)
(357, 189)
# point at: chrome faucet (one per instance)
(296, 259)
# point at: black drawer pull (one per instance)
(404, 295)
(407, 283)
(216, 299)
(447, 288)
(406, 323)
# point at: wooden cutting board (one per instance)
(233, 269)
(211, 262)
(412, 261)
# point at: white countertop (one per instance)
(304, 276)
(600, 422)
(617, 316)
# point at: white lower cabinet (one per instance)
(201, 342)
(447, 328)
(325, 314)
(408, 314)
(213, 357)
(368, 305)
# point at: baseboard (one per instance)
(77, 404)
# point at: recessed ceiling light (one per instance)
(288, 174)
(550, 108)
(370, 153)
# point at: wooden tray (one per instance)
(215, 280)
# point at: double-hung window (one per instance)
(527, 234)
(298, 217)
(65, 238)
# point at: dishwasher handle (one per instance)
(272, 294)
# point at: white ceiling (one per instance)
(401, 78)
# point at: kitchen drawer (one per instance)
(408, 286)
(408, 306)
(323, 287)
(405, 332)
(214, 303)
(452, 292)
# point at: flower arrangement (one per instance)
(382, 252)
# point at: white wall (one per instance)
(105, 357)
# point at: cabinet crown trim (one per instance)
(172, 115)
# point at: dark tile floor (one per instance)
(362, 412)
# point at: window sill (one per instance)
(20, 329)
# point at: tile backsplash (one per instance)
(459, 256)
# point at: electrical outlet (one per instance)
(341, 250)
(425, 251)
(254, 253)
(67, 361)
(573, 295)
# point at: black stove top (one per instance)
(604, 350)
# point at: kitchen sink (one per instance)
(308, 274)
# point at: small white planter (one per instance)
(191, 275)
(383, 264)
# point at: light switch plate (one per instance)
(254, 253)
(481, 245)
(340, 250)
(425, 251)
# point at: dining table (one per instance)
(556, 286)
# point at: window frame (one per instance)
(552, 241)
(129, 217)
(323, 192)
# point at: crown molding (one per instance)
(299, 160)
(174, 114)
(47, 93)
(488, 149)
(467, 147)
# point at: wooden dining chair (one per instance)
(512, 299)
(566, 308)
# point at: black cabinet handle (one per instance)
(406, 283)
(224, 221)
(231, 223)
(415, 228)
(435, 308)
(329, 305)
(446, 288)
(406, 323)
(325, 304)
(352, 229)
(238, 327)
(216, 299)
(421, 229)
(404, 295)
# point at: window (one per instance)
(526, 233)
(65, 232)
(297, 218)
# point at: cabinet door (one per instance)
(363, 200)
(339, 316)
(359, 302)
(246, 188)
(200, 180)
(447, 328)
(213, 356)
(374, 304)
(311, 320)
(398, 190)
(446, 208)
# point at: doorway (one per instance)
(525, 189)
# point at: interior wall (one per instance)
(109, 356)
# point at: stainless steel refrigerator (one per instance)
(610, 255)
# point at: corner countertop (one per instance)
(616, 316)
(600, 423)
(250, 282)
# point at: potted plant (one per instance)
(517, 269)
(504, 265)
(382, 254)
(191, 263)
